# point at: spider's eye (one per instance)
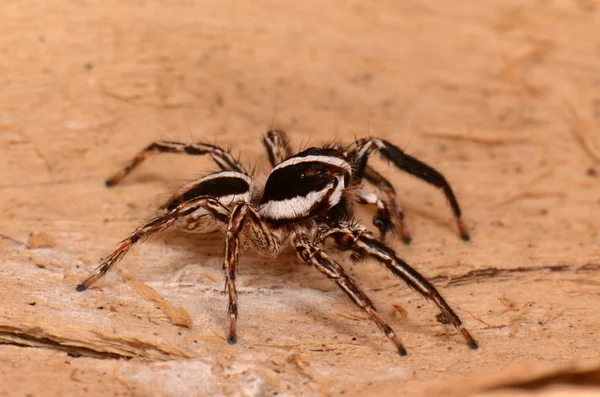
(310, 175)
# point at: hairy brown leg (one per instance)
(315, 256)
(415, 167)
(363, 244)
(221, 156)
(262, 240)
(219, 212)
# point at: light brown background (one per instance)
(502, 96)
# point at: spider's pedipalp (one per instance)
(405, 162)
(391, 202)
(383, 219)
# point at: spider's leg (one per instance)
(313, 255)
(277, 146)
(364, 147)
(217, 210)
(394, 208)
(363, 244)
(262, 240)
(221, 156)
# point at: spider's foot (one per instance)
(402, 351)
(232, 340)
(116, 178)
(470, 341)
(462, 229)
(86, 284)
(406, 237)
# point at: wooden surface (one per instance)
(502, 96)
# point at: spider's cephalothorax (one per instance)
(307, 200)
(306, 185)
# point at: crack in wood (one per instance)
(491, 272)
(20, 339)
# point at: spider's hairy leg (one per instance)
(313, 255)
(276, 144)
(221, 156)
(397, 214)
(217, 210)
(363, 244)
(364, 147)
(261, 238)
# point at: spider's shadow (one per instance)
(286, 270)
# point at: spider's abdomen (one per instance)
(305, 185)
(227, 186)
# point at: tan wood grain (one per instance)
(501, 96)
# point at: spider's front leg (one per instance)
(363, 244)
(220, 214)
(364, 147)
(221, 156)
(315, 256)
(244, 218)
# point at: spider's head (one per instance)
(305, 185)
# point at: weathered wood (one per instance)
(502, 96)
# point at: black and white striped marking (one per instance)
(304, 185)
(228, 187)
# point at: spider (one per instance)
(308, 202)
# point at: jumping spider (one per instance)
(308, 199)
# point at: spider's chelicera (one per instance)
(307, 201)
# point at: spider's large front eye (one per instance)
(310, 175)
(303, 186)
